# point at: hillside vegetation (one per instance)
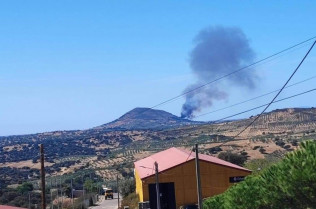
(112, 151)
(147, 118)
(290, 183)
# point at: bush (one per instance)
(291, 183)
(280, 143)
(127, 186)
(294, 143)
(262, 150)
(130, 200)
(258, 165)
(214, 150)
(25, 187)
(256, 147)
(233, 157)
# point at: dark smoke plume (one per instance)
(218, 51)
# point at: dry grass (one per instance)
(27, 163)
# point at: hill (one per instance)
(147, 118)
(111, 148)
(144, 128)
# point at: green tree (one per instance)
(291, 183)
(25, 187)
(258, 165)
(233, 157)
(127, 186)
(88, 185)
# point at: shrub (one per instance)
(25, 187)
(127, 186)
(233, 157)
(262, 150)
(130, 200)
(256, 147)
(280, 143)
(214, 150)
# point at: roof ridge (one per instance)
(175, 156)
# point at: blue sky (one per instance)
(77, 64)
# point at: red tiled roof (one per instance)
(173, 157)
(9, 207)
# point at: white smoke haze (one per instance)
(218, 51)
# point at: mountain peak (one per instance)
(147, 118)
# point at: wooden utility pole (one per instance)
(82, 203)
(57, 187)
(198, 176)
(43, 176)
(72, 195)
(61, 192)
(29, 200)
(157, 185)
(118, 192)
(51, 194)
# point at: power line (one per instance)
(229, 74)
(254, 98)
(288, 80)
(257, 107)
(189, 154)
(254, 108)
(273, 100)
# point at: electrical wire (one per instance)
(230, 116)
(231, 73)
(254, 98)
(257, 107)
(234, 72)
(288, 80)
(189, 154)
(273, 100)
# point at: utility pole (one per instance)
(72, 194)
(51, 194)
(157, 185)
(61, 192)
(198, 176)
(29, 200)
(57, 187)
(51, 199)
(118, 192)
(43, 176)
(82, 205)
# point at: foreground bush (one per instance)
(130, 200)
(290, 183)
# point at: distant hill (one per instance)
(147, 118)
(145, 127)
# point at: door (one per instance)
(167, 196)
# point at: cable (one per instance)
(279, 91)
(248, 100)
(154, 169)
(295, 95)
(273, 100)
(229, 74)
(189, 154)
(286, 98)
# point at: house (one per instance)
(9, 207)
(177, 177)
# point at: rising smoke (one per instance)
(218, 51)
